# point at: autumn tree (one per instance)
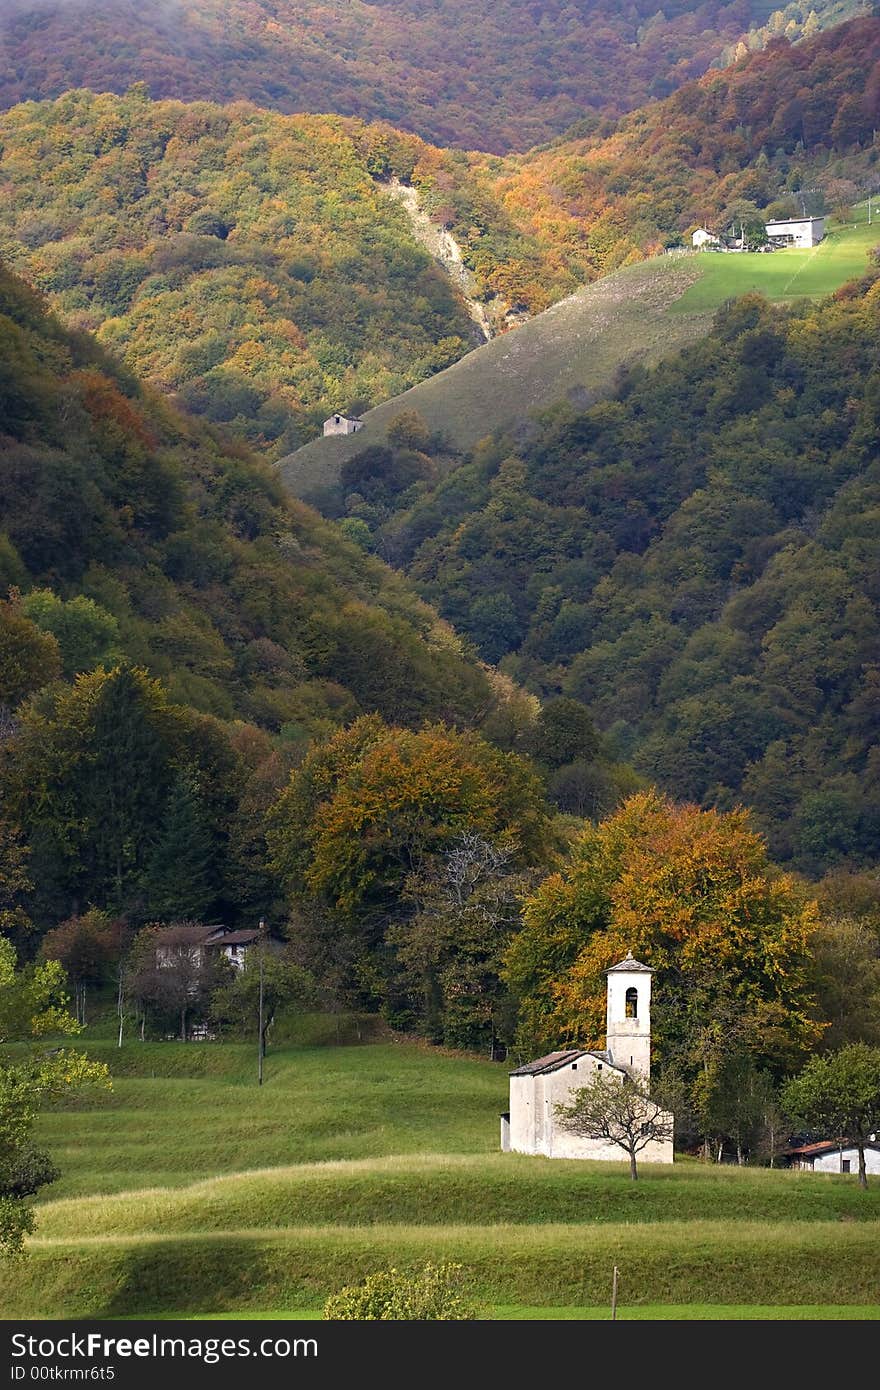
(692, 893)
(839, 1096)
(363, 831)
(450, 950)
(85, 632)
(85, 946)
(621, 1111)
(29, 658)
(268, 970)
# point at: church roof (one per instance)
(629, 963)
(554, 1060)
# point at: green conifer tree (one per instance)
(180, 879)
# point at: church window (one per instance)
(632, 1003)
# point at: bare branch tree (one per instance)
(620, 1110)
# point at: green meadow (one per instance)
(188, 1191)
(782, 276)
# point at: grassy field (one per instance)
(640, 314)
(782, 275)
(188, 1191)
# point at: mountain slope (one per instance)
(497, 77)
(572, 349)
(245, 603)
(577, 349)
(245, 260)
(695, 559)
(791, 118)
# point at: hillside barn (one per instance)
(531, 1125)
(797, 231)
(343, 424)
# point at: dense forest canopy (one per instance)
(692, 559)
(247, 261)
(498, 77)
(166, 546)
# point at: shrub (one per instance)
(433, 1294)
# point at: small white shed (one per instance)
(832, 1156)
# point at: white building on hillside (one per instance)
(531, 1126)
(797, 231)
(343, 424)
(702, 237)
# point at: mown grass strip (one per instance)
(551, 1266)
(455, 1189)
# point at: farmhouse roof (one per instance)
(243, 937)
(629, 963)
(194, 934)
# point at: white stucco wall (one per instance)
(830, 1162)
(535, 1129)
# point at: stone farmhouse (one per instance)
(531, 1125)
(343, 424)
(198, 940)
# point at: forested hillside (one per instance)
(246, 602)
(694, 559)
(130, 534)
(497, 77)
(247, 261)
(790, 118)
(255, 265)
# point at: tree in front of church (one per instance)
(839, 1095)
(620, 1110)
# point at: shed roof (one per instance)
(825, 1146)
(787, 221)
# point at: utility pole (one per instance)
(260, 1032)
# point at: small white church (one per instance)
(531, 1125)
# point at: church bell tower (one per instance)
(628, 1025)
